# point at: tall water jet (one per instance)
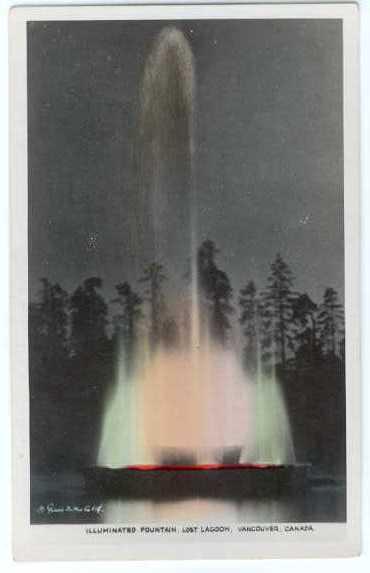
(166, 204)
(166, 154)
(194, 399)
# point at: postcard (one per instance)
(185, 281)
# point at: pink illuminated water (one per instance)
(194, 401)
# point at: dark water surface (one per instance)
(63, 498)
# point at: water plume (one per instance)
(192, 402)
(166, 144)
(199, 408)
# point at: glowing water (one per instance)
(123, 438)
(172, 404)
(196, 408)
(194, 399)
(165, 150)
(273, 443)
(118, 445)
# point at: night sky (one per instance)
(268, 148)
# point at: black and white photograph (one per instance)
(189, 214)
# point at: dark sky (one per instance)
(269, 158)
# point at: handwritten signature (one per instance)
(51, 508)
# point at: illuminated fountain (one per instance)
(123, 441)
(192, 405)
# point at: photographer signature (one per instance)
(51, 508)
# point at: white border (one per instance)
(69, 541)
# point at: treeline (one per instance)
(279, 325)
(73, 341)
(284, 327)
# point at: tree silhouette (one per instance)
(331, 322)
(88, 318)
(170, 332)
(126, 322)
(215, 290)
(305, 317)
(48, 370)
(47, 322)
(249, 320)
(153, 279)
(279, 309)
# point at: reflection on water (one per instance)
(183, 510)
(68, 502)
(320, 505)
